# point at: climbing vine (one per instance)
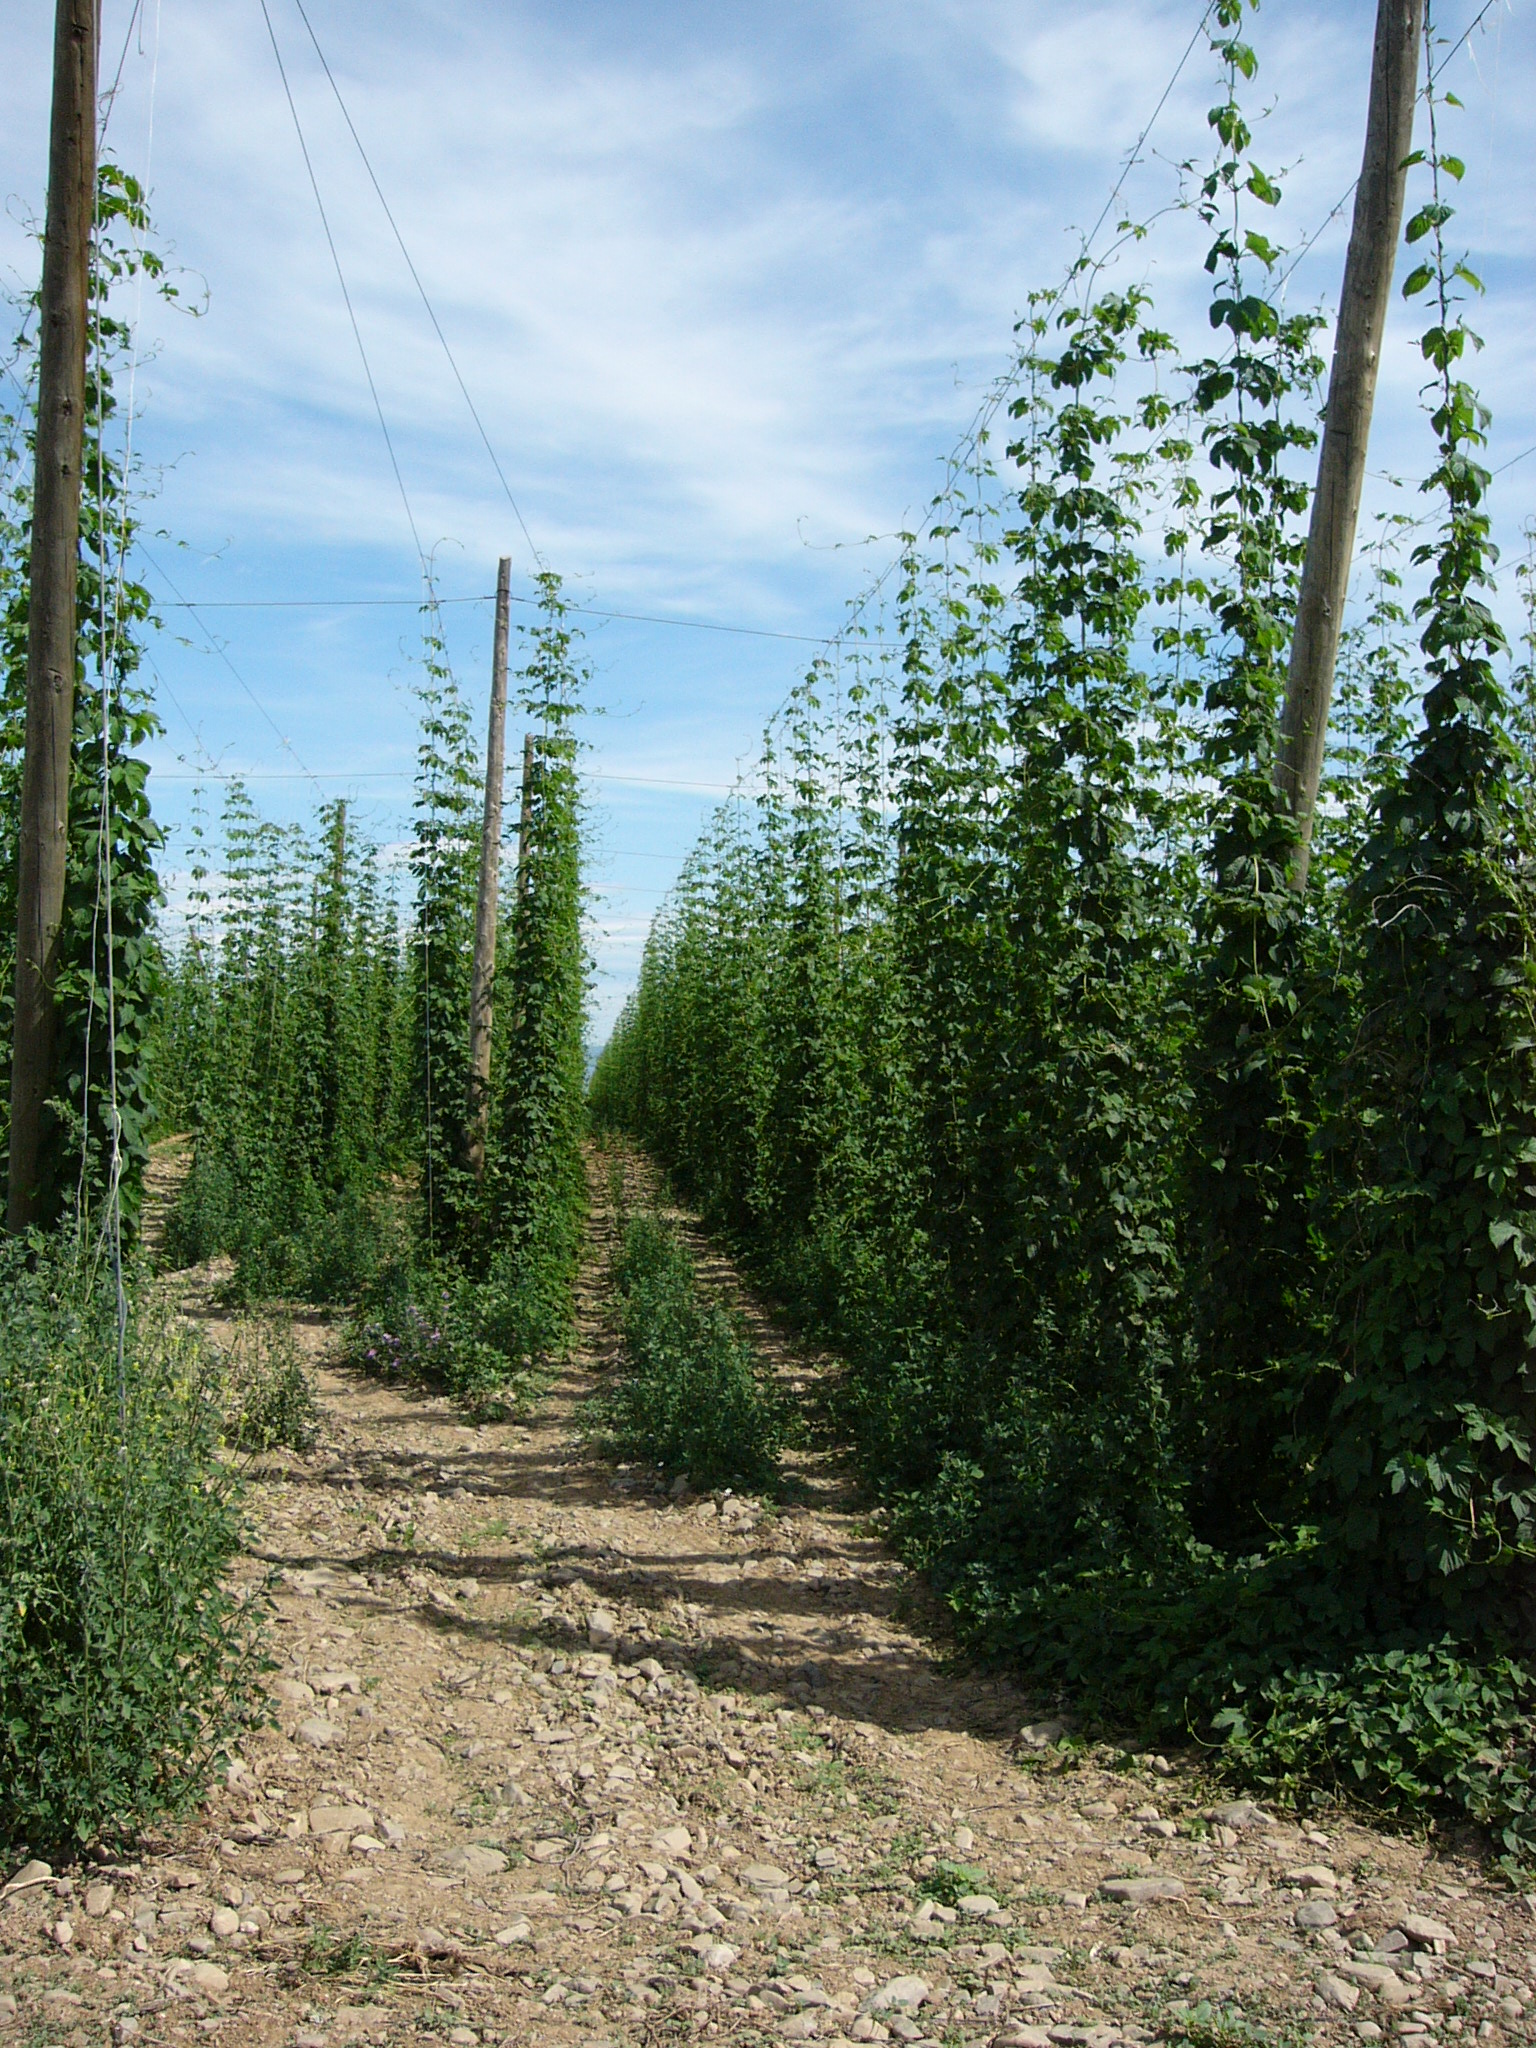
(1176, 1226)
(113, 838)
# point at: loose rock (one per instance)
(1141, 1891)
(902, 1994)
(1334, 1991)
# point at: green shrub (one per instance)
(125, 1660)
(482, 1341)
(1405, 1729)
(690, 1399)
(325, 1247)
(269, 1401)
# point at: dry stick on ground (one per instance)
(54, 564)
(1368, 270)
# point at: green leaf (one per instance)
(1428, 218)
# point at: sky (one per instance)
(724, 284)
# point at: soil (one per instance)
(558, 1757)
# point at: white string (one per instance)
(107, 654)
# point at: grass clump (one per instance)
(269, 1400)
(329, 1954)
(691, 1398)
(126, 1662)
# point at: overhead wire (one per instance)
(341, 279)
(1349, 192)
(1141, 141)
(406, 775)
(420, 287)
(108, 645)
(831, 643)
(1003, 385)
(970, 441)
(589, 611)
(828, 642)
(216, 647)
(109, 97)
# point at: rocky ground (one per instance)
(560, 1758)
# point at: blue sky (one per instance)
(725, 282)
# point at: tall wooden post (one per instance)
(482, 982)
(1368, 270)
(53, 569)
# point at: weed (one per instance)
(125, 1661)
(328, 1954)
(821, 1772)
(691, 1398)
(949, 1882)
(1034, 1895)
(269, 1399)
(1219, 2026)
(480, 1340)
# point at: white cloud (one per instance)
(717, 278)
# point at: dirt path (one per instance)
(562, 1760)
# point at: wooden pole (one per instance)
(1368, 270)
(482, 983)
(52, 572)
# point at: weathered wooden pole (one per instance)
(482, 981)
(1368, 270)
(52, 572)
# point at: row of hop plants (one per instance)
(317, 1037)
(127, 1660)
(289, 1031)
(111, 829)
(1177, 1227)
(284, 1036)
